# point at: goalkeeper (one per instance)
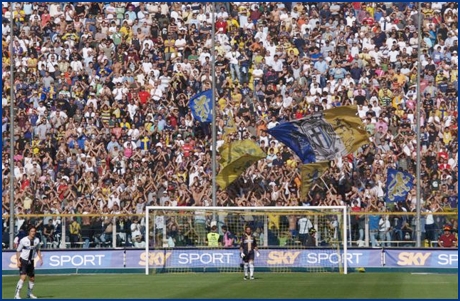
(248, 248)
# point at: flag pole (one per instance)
(418, 231)
(11, 224)
(213, 99)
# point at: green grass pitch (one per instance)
(232, 285)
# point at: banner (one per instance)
(398, 185)
(268, 258)
(70, 259)
(445, 258)
(323, 136)
(191, 258)
(309, 173)
(221, 258)
(236, 157)
(201, 106)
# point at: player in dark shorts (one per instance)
(248, 248)
(28, 248)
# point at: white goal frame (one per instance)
(343, 210)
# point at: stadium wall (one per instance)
(133, 260)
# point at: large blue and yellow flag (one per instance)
(399, 183)
(323, 136)
(201, 106)
(309, 174)
(236, 157)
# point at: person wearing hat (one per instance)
(454, 57)
(214, 239)
(311, 240)
(447, 239)
(164, 198)
(138, 242)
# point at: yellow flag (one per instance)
(309, 174)
(236, 157)
(348, 126)
(273, 221)
(231, 152)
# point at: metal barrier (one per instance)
(122, 240)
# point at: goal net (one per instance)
(289, 239)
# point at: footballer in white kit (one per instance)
(28, 248)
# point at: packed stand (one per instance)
(102, 123)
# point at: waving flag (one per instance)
(309, 174)
(323, 136)
(236, 157)
(229, 124)
(399, 183)
(201, 106)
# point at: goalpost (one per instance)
(290, 239)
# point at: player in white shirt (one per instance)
(28, 248)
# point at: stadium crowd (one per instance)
(102, 123)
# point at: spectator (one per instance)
(138, 242)
(447, 239)
(75, 232)
(48, 233)
(374, 228)
(228, 238)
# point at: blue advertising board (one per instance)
(71, 259)
(447, 258)
(218, 258)
(196, 258)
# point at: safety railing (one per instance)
(112, 230)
